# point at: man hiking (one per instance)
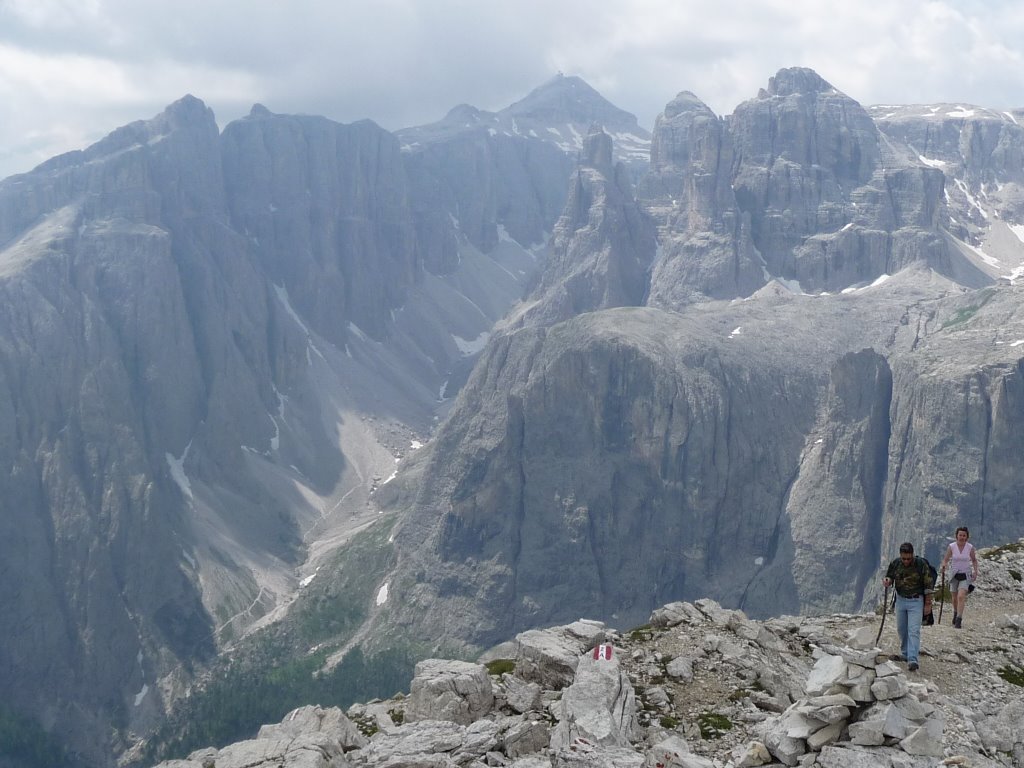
(914, 583)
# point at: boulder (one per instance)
(549, 657)
(599, 707)
(457, 691)
(828, 672)
(680, 668)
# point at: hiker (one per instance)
(964, 563)
(914, 582)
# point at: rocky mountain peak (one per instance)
(569, 99)
(685, 102)
(795, 80)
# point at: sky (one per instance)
(71, 71)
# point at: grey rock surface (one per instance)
(449, 690)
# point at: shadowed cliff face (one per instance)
(767, 451)
(213, 349)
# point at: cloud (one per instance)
(73, 70)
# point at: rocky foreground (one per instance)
(699, 687)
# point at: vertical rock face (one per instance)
(706, 245)
(602, 246)
(201, 339)
(838, 493)
(101, 376)
(622, 456)
(325, 208)
(797, 184)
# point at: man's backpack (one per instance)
(929, 576)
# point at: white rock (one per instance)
(921, 742)
(891, 687)
(867, 733)
(752, 754)
(666, 753)
(457, 691)
(599, 707)
(862, 638)
(827, 672)
(549, 656)
(681, 668)
(827, 735)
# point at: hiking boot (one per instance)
(958, 622)
(898, 657)
(912, 666)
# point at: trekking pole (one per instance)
(885, 610)
(942, 595)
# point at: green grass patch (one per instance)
(669, 722)
(1012, 673)
(1015, 575)
(641, 633)
(994, 553)
(499, 667)
(712, 725)
(964, 314)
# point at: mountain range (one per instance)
(521, 366)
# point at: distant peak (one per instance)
(794, 80)
(188, 106)
(463, 113)
(258, 110)
(569, 99)
(686, 102)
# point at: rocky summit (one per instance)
(698, 686)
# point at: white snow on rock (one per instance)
(178, 471)
(471, 346)
(382, 594)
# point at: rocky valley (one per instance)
(325, 389)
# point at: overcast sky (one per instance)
(73, 70)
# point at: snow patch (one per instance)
(308, 580)
(961, 112)
(793, 286)
(1017, 343)
(178, 471)
(990, 260)
(415, 445)
(736, 331)
(141, 694)
(382, 594)
(962, 185)
(471, 346)
(282, 295)
(932, 162)
(758, 561)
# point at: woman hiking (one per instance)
(964, 562)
